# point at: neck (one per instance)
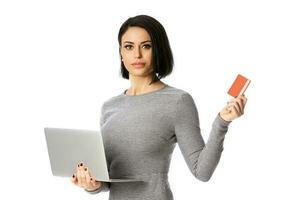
(140, 85)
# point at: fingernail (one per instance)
(85, 169)
(91, 179)
(81, 164)
(73, 176)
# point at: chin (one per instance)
(139, 72)
(142, 74)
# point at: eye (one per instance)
(128, 47)
(147, 46)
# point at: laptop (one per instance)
(68, 147)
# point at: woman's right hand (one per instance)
(84, 179)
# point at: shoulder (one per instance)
(175, 92)
(172, 94)
(183, 100)
(181, 95)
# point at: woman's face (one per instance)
(136, 51)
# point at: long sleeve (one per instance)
(140, 134)
(201, 158)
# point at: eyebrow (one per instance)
(133, 42)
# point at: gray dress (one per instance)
(140, 133)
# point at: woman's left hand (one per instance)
(234, 108)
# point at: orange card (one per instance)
(239, 86)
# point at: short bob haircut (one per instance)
(162, 58)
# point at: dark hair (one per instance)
(162, 58)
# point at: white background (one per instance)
(59, 62)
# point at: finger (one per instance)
(243, 103)
(239, 104)
(82, 175)
(87, 177)
(79, 178)
(231, 105)
(229, 108)
(243, 97)
(74, 179)
(234, 110)
(79, 174)
(93, 181)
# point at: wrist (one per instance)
(224, 118)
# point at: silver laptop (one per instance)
(68, 147)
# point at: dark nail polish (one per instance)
(73, 176)
(85, 169)
(81, 164)
(91, 179)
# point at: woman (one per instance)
(141, 126)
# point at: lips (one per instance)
(138, 64)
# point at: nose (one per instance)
(137, 53)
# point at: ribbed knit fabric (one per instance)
(140, 133)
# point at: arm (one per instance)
(201, 158)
